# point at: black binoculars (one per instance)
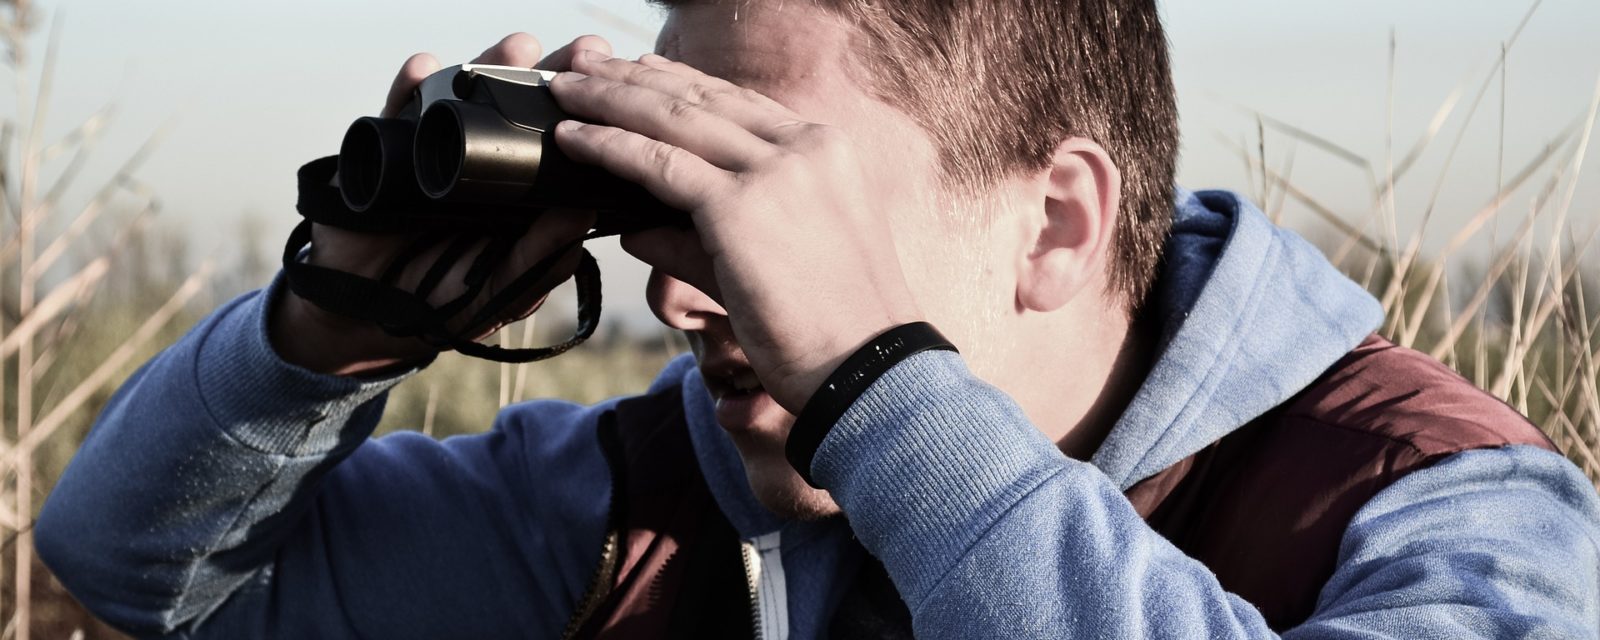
(470, 160)
(483, 135)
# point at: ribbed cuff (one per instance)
(926, 460)
(269, 404)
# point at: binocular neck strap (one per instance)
(408, 314)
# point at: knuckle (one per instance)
(786, 163)
(752, 96)
(680, 108)
(631, 73)
(604, 89)
(700, 94)
(669, 162)
(789, 133)
(665, 156)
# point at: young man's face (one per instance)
(799, 55)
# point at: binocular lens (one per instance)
(375, 162)
(361, 165)
(440, 151)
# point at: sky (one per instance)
(253, 89)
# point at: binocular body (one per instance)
(470, 161)
(483, 135)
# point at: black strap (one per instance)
(848, 382)
(408, 314)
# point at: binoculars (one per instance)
(484, 135)
(471, 158)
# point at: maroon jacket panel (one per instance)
(677, 569)
(1265, 508)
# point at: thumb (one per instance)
(677, 253)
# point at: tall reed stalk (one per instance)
(1521, 320)
(44, 298)
(1538, 349)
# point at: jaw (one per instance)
(760, 444)
(776, 484)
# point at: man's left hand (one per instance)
(789, 238)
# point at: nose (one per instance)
(679, 305)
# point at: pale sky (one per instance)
(254, 89)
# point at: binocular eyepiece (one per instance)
(483, 135)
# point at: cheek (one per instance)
(898, 156)
(960, 276)
(955, 263)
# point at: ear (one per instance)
(1082, 193)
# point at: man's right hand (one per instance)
(308, 336)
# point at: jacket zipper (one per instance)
(752, 581)
(599, 586)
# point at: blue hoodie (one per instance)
(225, 493)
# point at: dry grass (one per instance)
(86, 292)
(1526, 330)
(45, 301)
(461, 395)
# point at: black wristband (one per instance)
(849, 381)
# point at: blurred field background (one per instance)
(1442, 167)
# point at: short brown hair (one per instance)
(998, 84)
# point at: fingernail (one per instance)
(593, 56)
(569, 76)
(569, 126)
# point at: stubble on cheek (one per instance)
(953, 270)
(774, 482)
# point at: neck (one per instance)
(1129, 367)
(1076, 390)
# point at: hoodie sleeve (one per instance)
(989, 531)
(1493, 543)
(224, 493)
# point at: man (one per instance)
(1220, 451)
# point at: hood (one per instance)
(720, 461)
(713, 449)
(1250, 313)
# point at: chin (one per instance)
(791, 498)
(777, 486)
(758, 427)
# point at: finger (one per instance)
(678, 178)
(561, 59)
(674, 120)
(416, 68)
(529, 302)
(748, 109)
(516, 50)
(555, 229)
(539, 291)
(662, 63)
(677, 253)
